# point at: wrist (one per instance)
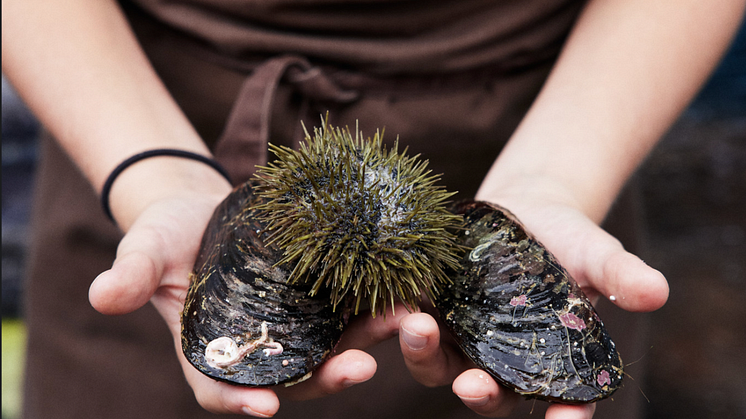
(159, 152)
(162, 179)
(522, 192)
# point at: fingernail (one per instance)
(475, 401)
(349, 382)
(413, 341)
(247, 411)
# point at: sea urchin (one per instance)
(364, 222)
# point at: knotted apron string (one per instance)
(244, 141)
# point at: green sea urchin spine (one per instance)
(365, 222)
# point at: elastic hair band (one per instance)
(153, 153)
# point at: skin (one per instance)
(627, 71)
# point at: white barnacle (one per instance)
(221, 352)
(224, 352)
(476, 254)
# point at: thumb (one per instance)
(133, 278)
(622, 277)
(632, 284)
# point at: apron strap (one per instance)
(244, 141)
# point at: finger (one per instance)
(429, 362)
(632, 284)
(364, 330)
(127, 286)
(622, 277)
(218, 397)
(133, 278)
(480, 393)
(566, 411)
(599, 262)
(338, 373)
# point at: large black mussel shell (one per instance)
(521, 317)
(242, 323)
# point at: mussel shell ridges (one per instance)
(521, 317)
(236, 292)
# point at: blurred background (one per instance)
(694, 187)
(695, 200)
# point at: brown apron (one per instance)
(82, 364)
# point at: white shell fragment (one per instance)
(224, 352)
(221, 352)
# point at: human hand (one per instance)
(594, 258)
(153, 263)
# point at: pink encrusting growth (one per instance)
(603, 378)
(572, 321)
(518, 300)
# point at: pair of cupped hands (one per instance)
(162, 239)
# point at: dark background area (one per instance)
(694, 187)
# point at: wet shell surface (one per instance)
(242, 322)
(520, 316)
(287, 256)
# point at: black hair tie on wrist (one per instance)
(153, 153)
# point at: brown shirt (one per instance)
(378, 36)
